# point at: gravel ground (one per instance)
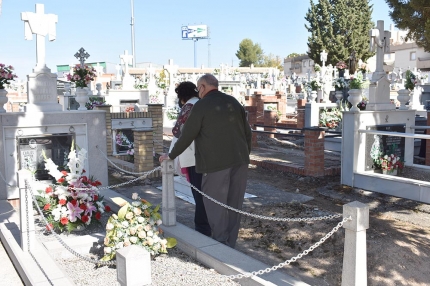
(174, 268)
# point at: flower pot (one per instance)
(3, 100)
(81, 97)
(312, 96)
(354, 98)
(403, 96)
(339, 96)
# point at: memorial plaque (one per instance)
(389, 144)
(31, 149)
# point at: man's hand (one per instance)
(163, 157)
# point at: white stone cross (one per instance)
(40, 24)
(172, 70)
(82, 55)
(99, 69)
(126, 59)
(323, 57)
(379, 42)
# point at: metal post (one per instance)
(132, 34)
(354, 272)
(168, 194)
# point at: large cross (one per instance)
(126, 59)
(379, 42)
(40, 24)
(82, 55)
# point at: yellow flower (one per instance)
(129, 215)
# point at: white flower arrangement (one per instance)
(136, 224)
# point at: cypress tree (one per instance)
(340, 27)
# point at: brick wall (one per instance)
(314, 152)
(156, 113)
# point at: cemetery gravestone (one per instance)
(42, 84)
(389, 144)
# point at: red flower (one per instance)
(61, 180)
(46, 207)
(74, 202)
(83, 171)
(98, 215)
(62, 202)
(107, 208)
(64, 220)
(96, 183)
(49, 227)
(85, 218)
(95, 198)
(64, 173)
(48, 190)
(83, 207)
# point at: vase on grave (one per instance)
(82, 97)
(341, 73)
(3, 100)
(403, 97)
(339, 96)
(312, 96)
(354, 98)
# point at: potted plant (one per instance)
(405, 94)
(356, 83)
(390, 164)
(6, 75)
(317, 67)
(330, 118)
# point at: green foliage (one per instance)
(411, 80)
(414, 16)
(249, 53)
(339, 27)
(272, 61)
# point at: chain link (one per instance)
(327, 217)
(120, 184)
(98, 262)
(295, 258)
(116, 166)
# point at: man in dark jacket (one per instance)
(222, 137)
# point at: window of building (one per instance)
(412, 56)
(304, 63)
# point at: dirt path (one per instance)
(398, 245)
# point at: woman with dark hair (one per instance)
(187, 97)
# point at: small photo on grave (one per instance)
(124, 139)
(32, 149)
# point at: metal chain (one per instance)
(327, 217)
(300, 255)
(112, 262)
(120, 184)
(28, 232)
(116, 166)
(160, 144)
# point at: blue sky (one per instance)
(102, 28)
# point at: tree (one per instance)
(414, 16)
(272, 61)
(339, 27)
(249, 53)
